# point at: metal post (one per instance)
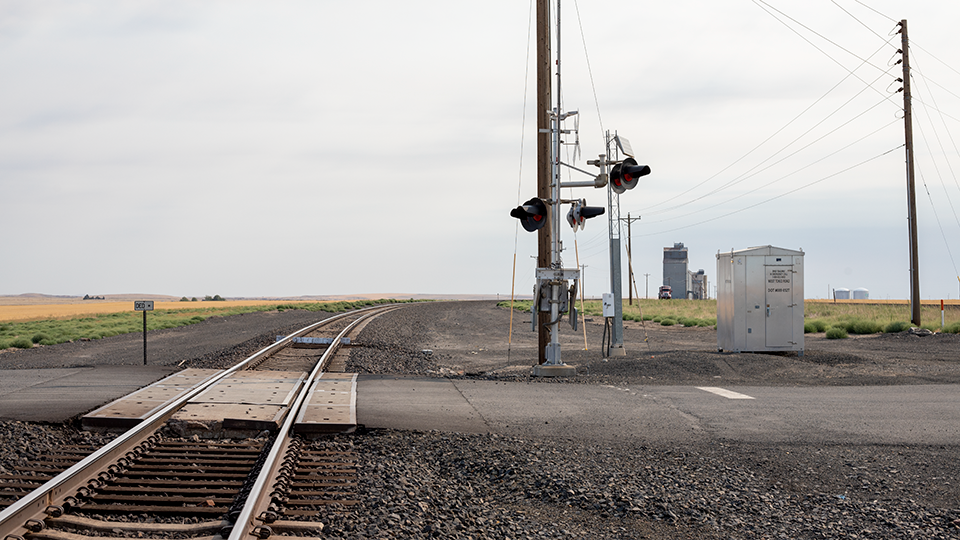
(553, 357)
(144, 338)
(616, 285)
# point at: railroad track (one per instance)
(150, 483)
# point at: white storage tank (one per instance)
(841, 294)
(861, 294)
(760, 300)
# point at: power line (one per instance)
(778, 196)
(944, 152)
(818, 34)
(937, 217)
(583, 39)
(753, 172)
(755, 148)
(784, 177)
(874, 32)
(877, 12)
(741, 158)
(947, 128)
(735, 180)
(913, 43)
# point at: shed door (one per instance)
(780, 306)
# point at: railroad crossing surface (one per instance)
(918, 414)
(56, 395)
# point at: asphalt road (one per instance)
(927, 414)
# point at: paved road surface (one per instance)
(927, 414)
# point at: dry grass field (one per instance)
(45, 311)
(26, 326)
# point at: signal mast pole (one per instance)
(615, 347)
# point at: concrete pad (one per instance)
(330, 406)
(57, 395)
(214, 416)
(554, 370)
(413, 403)
(132, 409)
(244, 401)
(255, 388)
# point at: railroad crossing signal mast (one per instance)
(624, 175)
(553, 293)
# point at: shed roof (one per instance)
(763, 250)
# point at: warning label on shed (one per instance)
(779, 279)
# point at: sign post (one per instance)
(144, 306)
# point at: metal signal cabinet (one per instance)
(760, 300)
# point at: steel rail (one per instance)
(27, 514)
(259, 498)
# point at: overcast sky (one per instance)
(318, 147)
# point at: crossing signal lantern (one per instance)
(625, 175)
(580, 212)
(532, 214)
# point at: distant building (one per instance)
(675, 272)
(699, 288)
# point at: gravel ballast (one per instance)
(452, 485)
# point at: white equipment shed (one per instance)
(760, 300)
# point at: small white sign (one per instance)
(143, 305)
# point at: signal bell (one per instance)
(532, 214)
(580, 212)
(627, 174)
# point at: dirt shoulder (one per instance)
(475, 338)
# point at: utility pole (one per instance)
(542, 213)
(630, 220)
(544, 159)
(911, 188)
(646, 293)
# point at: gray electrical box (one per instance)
(609, 309)
(760, 300)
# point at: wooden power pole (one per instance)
(630, 220)
(911, 188)
(544, 160)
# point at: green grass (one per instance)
(50, 332)
(836, 332)
(883, 315)
(21, 343)
(688, 313)
(896, 326)
(818, 316)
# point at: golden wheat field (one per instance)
(35, 312)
